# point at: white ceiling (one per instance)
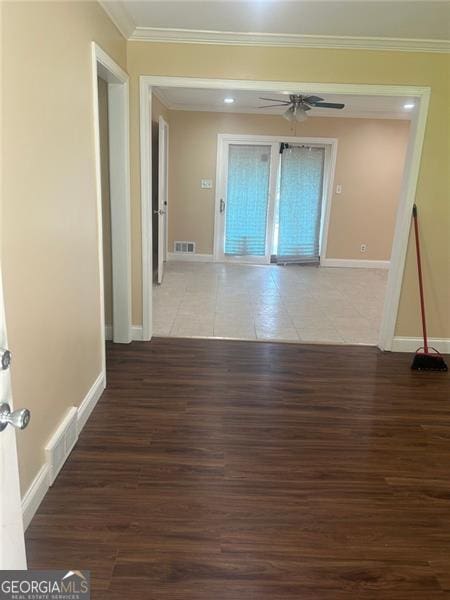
(178, 98)
(426, 20)
(284, 22)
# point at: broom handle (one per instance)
(419, 270)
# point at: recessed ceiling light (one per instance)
(228, 100)
(409, 105)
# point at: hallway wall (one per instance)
(49, 218)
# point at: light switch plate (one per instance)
(339, 189)
(206, 184)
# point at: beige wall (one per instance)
(106, 200)
(337, 66)
(49, 217)
(369, 167)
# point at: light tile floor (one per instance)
(291, 303)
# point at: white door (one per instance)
(163, 173)
(247, 191)
(12, 545)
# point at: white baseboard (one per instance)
(40, 484)
(35, 494)
(90, 400)
(136, 333)
(410, 344)
(355, 263)
(171, 256)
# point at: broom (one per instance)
(424, 360)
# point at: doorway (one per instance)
(111, 127)
(160, 150)
(419, 98)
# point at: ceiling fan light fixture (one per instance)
(289, 115)
(301, 115)
(295, 113)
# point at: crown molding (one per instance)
(231, 38)
(120, 16)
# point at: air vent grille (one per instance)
(184, 247)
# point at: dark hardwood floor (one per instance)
(220, 470)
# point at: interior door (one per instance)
(163, 176)
(246, 203)
(12, 546)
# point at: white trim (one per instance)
(233, 38)
(329, 170)
(98, 190)
(163, 194)
(136, 333)
(412, 163)
(180, 256)
(354, 263)
(40, 484)
(90, 400)
(35, 494)
(120, 16)
(118, 122)
(411, 344)
(108, 333)
(363, 89)
(145, 97)
(403, 222)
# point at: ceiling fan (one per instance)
(298, 105)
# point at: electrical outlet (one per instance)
(363, 247)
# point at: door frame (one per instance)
(163, 158)
(103, 66)
(420, 94)
(223, 143)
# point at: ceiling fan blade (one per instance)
(328, 105)
(312, 99)
(273, 105)
(276, 100)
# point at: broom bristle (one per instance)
(428, 362)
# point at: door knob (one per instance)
(18, 419)
(159, 212)
(5, 359)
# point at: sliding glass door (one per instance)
(246, 205)
(269, 200)
(300, 204)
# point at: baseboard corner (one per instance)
(136, 333)
(35, 494)
(90, 400)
